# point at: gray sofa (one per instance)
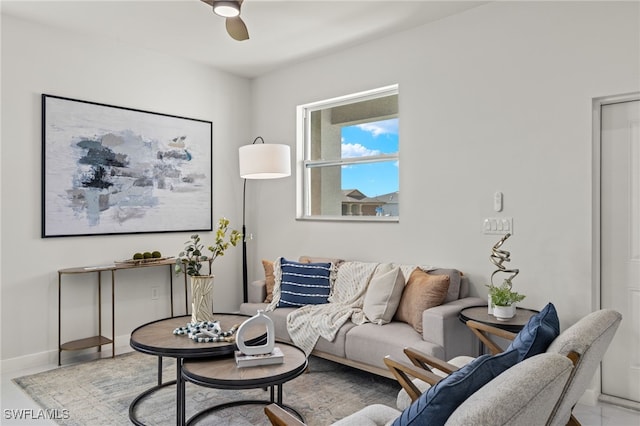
(365, 346)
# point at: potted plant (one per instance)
(503, 300)
(190, 261)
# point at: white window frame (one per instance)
(304, 164)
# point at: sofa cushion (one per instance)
(423, 291)
(337, 346)
(436, 405)
(455, 277)
(250, 309)
(537, 334)
(304, 283)
(383, 294)
(370, 343)
(269, 279)
(314, 259)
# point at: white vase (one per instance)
(201, 298)
(258, 320)
(504, 313)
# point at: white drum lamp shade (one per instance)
(265, 161)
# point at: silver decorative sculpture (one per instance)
(498, 257)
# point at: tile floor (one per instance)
(13, 400)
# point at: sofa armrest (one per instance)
(257, 291)
(442, 326)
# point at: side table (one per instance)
(479, 314)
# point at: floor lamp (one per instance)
(259, 161)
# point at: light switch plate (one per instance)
(497, 225)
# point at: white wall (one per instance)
(494, 99)
(38, 59)
(498, 98)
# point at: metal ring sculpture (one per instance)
(498, 257)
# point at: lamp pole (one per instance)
(261, 161)
(245, 283)
(245, 290)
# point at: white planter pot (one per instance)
(504, 313)
(201, 298)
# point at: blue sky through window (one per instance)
(362, 140)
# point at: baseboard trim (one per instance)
(614, 400)
(49, 359)
(38, 360)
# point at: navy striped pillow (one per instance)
(304, 283)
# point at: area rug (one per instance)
(100, 392)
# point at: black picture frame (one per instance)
(114, 170)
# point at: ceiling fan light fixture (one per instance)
(226, 9)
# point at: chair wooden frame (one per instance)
(426, 363)
(483, 331)
(402, 371)
(278, 416)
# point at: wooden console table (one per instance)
(100, 340)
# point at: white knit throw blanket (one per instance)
(308, 323)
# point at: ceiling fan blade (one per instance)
(237, 29)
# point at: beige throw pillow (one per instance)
(269, 279)
(383, 294)
(423, 291)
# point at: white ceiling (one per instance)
(282, 32)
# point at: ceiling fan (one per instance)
(230, 10)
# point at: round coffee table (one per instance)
(157, 338)
(222, 373)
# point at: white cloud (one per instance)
(351, 150)
(380, 127)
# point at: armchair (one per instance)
(525, 394)
(584, 343)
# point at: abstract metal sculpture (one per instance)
(498, 257)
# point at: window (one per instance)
(348, 167)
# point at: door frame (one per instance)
(597, 104)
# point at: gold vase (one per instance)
(201, 298)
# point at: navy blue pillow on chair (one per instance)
(537, 334)
(304, 283)
(438, 403)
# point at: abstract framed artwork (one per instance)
(114, 170)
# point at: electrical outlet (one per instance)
(154, 293)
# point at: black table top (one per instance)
(480, 314)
